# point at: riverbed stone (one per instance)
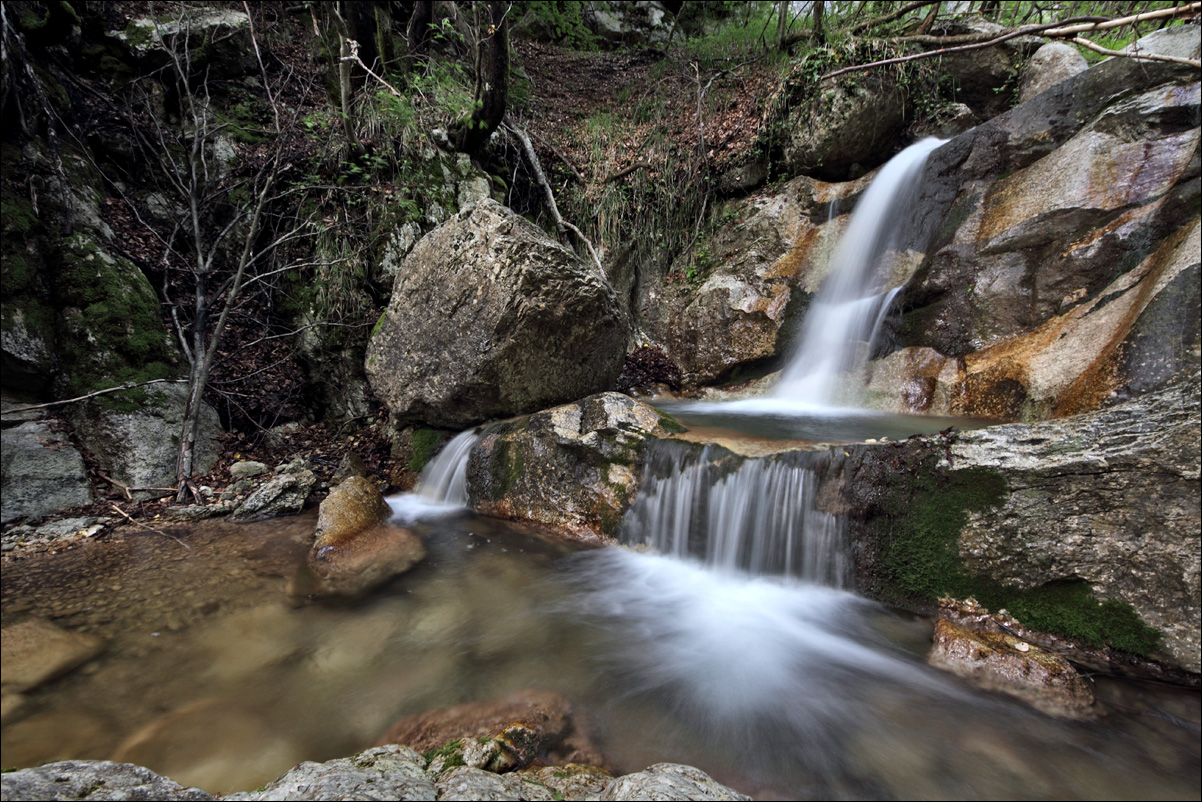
(354, 565)
(491, 318)
(1002, 662)
(383, 772)
(43, 472)
(36, 651)
(574, 468)
(245, 468)
(1051, 64)
(94, 780)
(669, 781)
(501, 734)
(283, 494)
(352, 506)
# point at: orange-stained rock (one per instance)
(1002, 662)
(523, 728)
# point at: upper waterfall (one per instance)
(837, 334)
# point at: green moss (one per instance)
(451, 753)
(921, 563)
(670, 424)
(505, 467)
(425, 446)
(379, 324)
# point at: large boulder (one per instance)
(574, 468)
(137, 442)
(489, 318)
(43, 472)
(36, 651)
(1051, 64)
(844, 129)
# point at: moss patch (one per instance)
(425, 446)
(920, 562)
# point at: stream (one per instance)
(776, 686)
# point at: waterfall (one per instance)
(847, 313)
(442, 486)
(755, 515)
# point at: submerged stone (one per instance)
(1003, 662)
(36, 651)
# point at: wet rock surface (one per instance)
(1063, 231)
(574, 468)
(284, 493)
(1006, 663)
(489, 318)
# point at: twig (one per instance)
(90, 395)
(128, 496)
(625, 171)
(1039, 30)
(1080, 40)
(892, 15)
(576, 173)
(536, 167)
(126, 516)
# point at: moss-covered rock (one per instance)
(1087, 526)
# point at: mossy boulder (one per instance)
(573, 468)
(1086, 526)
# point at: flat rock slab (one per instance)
(94, 780)
(36, 651)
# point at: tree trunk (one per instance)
(471, 133)
(418, 32)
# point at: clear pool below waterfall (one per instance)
(779, 688)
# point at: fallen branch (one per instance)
(575, 173)
(92, 395)
(625, 171)
(1080, 40)
(1178, 11)
(560, 224)
(126, 516)
(892, 15)
(1026, 30)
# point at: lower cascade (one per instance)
(758, 515)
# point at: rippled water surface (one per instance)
(779, 688)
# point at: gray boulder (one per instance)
(283, 494)
(669, 781)
(1051, 64)
(140, 447)
(43, 472)
(853, 124)
(489, 317)
(574, 468)
(93, 780)
(1089, 522)
(384, 773)
(219, 39)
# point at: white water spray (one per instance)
(837, 335)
